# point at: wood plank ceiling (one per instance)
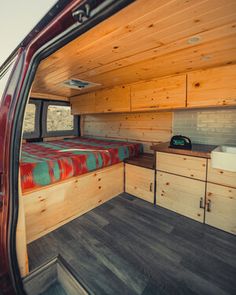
(147, 39)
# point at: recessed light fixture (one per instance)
(194, 40)
(79, 84)
(205, 57)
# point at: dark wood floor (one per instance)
(127, 246)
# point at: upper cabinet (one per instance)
(116, 99)
(83, 104)
(212, 87)
(163, 93)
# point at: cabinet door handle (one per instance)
(209, 206)
(201, 204)
(151, 187)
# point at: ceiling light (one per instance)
(194, 40)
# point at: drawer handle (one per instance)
(209, 206)
(201, 204)
(151, 187)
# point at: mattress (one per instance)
(45, 163)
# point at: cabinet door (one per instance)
(188, 166)
(116, 99)
(139, 182)
(164, 93)
(221, 207)
(180, 194)
(212, 87)
(220, 176)
(83, 104)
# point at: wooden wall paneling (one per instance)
(212, 87)
(115, 99)
(148, 128)
(188, 166)
(48, 96)
(48, 208)
(220, 176)
(165, 93)
(83, 104)
(222, 207)
(180, 194)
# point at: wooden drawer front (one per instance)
(192, 167)
(222, 207)
(165, 93)
(180, 194)
(139, 182)
(116, 99)
(83, 104)
(219, 176)
(212, 87)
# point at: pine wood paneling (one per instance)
(139, 182)
(147, 39)
(180, 194)
(222, 207)
(212, 87)
(220, 176)
(148, 128)
(165, 93)
(49, 208)
(83, 104)
(116, 99)
(188, 166)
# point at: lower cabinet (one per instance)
(139, 182)
(180, 194)
(221, 207)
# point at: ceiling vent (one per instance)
(79, 84)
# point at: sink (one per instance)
(224, 157)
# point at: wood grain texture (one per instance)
(180, 194)
(188, 166)
(148, 128)
(165, 93)
(212, 87)
(139, 182)
(48, 208)
(222, 177)
(147, 39)
(83, 104)
(128, 246)
(222, 207)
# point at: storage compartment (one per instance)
(188, 166)
(220, 176)
(180, 194)
(54, 277)
(139, 181)
(221, 207)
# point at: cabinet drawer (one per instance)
(181, 195)
(188, 166)
(219, 176)
(222, 206)
(139, 182)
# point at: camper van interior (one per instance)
(128, 156)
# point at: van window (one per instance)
(59, 118)
(31, 120)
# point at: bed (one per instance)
(46, 163)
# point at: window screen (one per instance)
(31, 120)
(59, 118)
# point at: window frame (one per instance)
(37, 120)
(45, 133)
